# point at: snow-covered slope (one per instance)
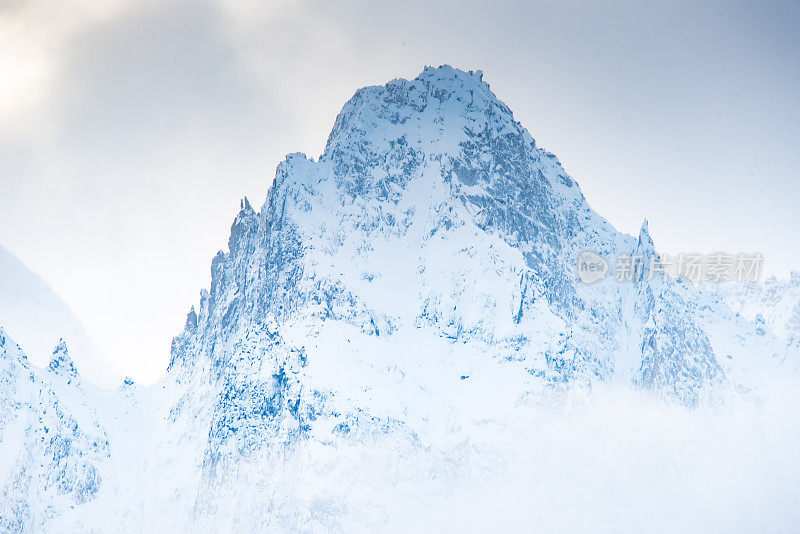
(37, 318)
(398, 335)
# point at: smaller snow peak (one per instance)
(246, 211)
(245, 225)
(645, 241)
(644, 252)
(191, 320)
(61, 363)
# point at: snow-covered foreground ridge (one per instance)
(397, 340)
(36, 317)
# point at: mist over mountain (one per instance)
(397, 339)
(36, 317)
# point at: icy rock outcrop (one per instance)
(52, 445)
(36, 317)
(61, 364)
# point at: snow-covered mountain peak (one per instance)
(61, 363)
(435, 90)
(433, 112)
(412, 292)
(444, 138)
(644, 236)
(431, 218)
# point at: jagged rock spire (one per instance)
(645, 248)
(244, 224)
(644, 253)
(61, 363)
(645, 241)
(191, 319)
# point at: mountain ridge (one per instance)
(400, 320)
(37, 318)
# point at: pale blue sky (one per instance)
(129, 130)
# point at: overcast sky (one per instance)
(129, 130)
